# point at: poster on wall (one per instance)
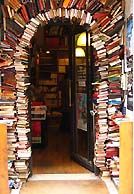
(129, 62)
(81, 108)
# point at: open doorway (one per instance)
(53, 79)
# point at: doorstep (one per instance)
(110, 185)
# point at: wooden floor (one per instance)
(55, 158)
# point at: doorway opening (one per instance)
(58, 81)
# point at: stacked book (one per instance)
(113, 165)
(115, 98)
(101, 127)
(108, 99)
(7, 109)
(101, 92)
(113, 142)
(22, 107)
(14, 181)
(21, 14)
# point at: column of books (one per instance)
(108, 52)
(7, 109)
(101, 94)
(114, 53)
(14, 100)
(22, 103)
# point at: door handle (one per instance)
(92, 112)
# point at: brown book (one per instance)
(103, 1)
(72, 3)
(91, 4)
(53, 4)
(15, 4)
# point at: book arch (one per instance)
(105, 20)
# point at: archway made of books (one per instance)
(103, 18)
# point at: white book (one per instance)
(35, 21)
(47, 16)
(66, 13)
(113, 50)
(88, 18)
(99, 47)
(115, 62)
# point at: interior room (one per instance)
(51, 74)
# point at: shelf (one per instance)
(38, 119)
(51, 98)
(49, 84)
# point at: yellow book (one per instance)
(66, 3)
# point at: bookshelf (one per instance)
(39, 124)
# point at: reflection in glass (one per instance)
(81, 107)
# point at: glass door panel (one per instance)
(82, 134)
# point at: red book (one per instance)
(100, 15)
(105, 23)
(114, 58)
(112, 45)
(81, 4)
(110, 152)
(37, 103)
(24, 13)
(41, 6)
(115, 91)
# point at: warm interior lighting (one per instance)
(79, 52)
(47, 52)
(82, 39)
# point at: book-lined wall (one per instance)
(14, 111)
(107, 32)
(19, 21)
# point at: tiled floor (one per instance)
(65, 187)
